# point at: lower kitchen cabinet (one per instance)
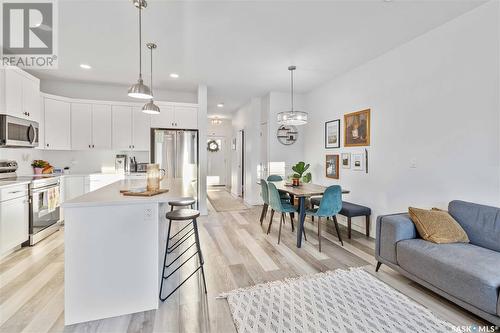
(14, 223)
(74, 186)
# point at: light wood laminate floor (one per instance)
(237, 253)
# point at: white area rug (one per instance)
(335, 301)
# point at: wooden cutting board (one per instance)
(143, 194)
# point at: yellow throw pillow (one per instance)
(437, 226)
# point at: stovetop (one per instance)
(35, 181)
(8, 176)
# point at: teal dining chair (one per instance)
(280, 206)
(278, 178)
(274, 178)
(264, 193)
(329, 206)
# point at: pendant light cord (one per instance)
(151, 71)
(140, 41)
(291, 80)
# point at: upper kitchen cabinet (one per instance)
(81, 126)
(141, 129)
(175, 116)
(31, 100)
(165, 119)
(131, 128)
(21, 94)
(90, 126)
(57, 124)
(101, 126)
(121, 127)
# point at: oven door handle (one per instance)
(43, 189)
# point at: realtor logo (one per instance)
(28, 34)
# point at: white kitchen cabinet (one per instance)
(81, 126)
(31, 100)
(14, 93)
(57, 124)
(186, 117)
(122, 127)
(14, 222)
(20, 94)
(175, 116)
(131, 128)
(101, 126)
(165, 119)
(141, 128)
(74, 186)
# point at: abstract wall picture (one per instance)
(332, 166)
(346, 160)
(332, 134)
(358, 161)
(357, 128)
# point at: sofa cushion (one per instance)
(466, 271)
(437, 226)
(481, 223)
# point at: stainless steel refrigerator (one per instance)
(176, 151)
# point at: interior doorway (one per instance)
(217, 161)
(240, 150)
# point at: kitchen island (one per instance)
(114, 250)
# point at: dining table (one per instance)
(301, 192)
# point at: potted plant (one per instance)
(38, 166)
(300, 173)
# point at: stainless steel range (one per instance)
(44, 201)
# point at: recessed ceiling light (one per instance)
(85, 66)
(220, 105)
(174, 75)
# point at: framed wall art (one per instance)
(332, 134)
(357, 128)
(332, 166)
(358, 161)
(346, 160)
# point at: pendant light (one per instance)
(151, 107)
(292, 117)
(139, 89)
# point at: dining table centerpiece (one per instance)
(300, 173)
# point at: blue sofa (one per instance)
(466, 274)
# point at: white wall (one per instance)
(202, 138)
(109, 92)
(247, 118)
(277, 152)
(434, 99)
(224, 130)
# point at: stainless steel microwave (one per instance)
(18, 132)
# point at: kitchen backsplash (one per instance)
(78, 161)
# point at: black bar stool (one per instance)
(182, 215)
(182, 202)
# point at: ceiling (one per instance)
(240, 49)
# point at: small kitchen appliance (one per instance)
(121, 163)
(17, 132)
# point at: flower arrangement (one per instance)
(39, 166)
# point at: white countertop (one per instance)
(110, 195)
(8, 183)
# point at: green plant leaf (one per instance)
(307, 178)
(306, 167)
(296, 175)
